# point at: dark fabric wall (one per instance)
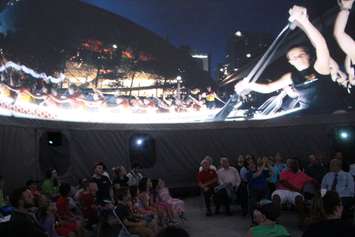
(179, 148)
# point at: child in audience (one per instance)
(177, 205)
(143, 202)
(82, 186)
(134, 225)
(32, 186)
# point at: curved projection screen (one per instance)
(100, 67)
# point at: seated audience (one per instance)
(164, 196)
(50, 185)
(343, 183)
(173, 231)
(290, 187)
(69, 223)
(352, 171)
(345, 163)
(207, 180)
(5, 207)
(145, 206)
(240, 163)
(87, 200)
(135, 225)
(316, 212)
(134, 177)
(257, 183)
(277, 168)
(242, 195)
(46, 216)
(229, 181)
(32, 186)
(120, 179)
(2, 195)
(210, 159)
(265, 218)
(164, 210)
(332, 225)
(23, 222)
(82, 186)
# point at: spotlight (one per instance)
(344, 141)
(344, 135)
(139, 142)
(114, 46)
(142, 150)
(54, 138)
(248, 55)
(238, 33)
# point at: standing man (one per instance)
(315, 168)
(104, 185)
(341, 182)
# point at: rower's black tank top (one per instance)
(318, 92)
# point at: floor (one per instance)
(198, 224)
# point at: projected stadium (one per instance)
(100, 67)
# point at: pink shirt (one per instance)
(297, 180)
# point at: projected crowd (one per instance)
(26, 93)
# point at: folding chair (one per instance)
(124, 231)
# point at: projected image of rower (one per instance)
(310, 85)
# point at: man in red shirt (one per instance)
(69, 224)
(87, 200)
(290, 187)
(207, 180)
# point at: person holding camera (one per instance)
(257, 182)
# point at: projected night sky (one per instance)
(207, 25)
